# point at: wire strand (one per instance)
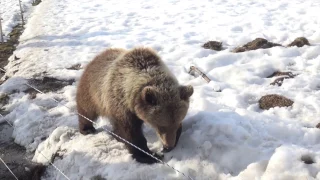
(54, 166)
(6, 120)
(8, 168)
(42, 155)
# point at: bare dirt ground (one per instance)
(16, 157)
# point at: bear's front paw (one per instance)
(144, 158)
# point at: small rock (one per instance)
(98, 177)
(279, 81)
(273, 100)
(318, 125)
(4, 99)
(16, 58)
(36, 2)
(214, 45)
(307, 159)
(279, 73)
(32, 93)
(258, 43)
(75, 67)
(239, 49)
(299, 42)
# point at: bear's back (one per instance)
(90, 86)
(100, 66)
(134, 70)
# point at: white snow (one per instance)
(225, 134)
(10, 14)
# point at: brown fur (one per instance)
(130, 88)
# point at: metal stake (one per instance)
(21, 12)
(1, 34)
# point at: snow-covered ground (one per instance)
(225, 134)
(10, 13)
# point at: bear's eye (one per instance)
(149, 95)
(151, 99)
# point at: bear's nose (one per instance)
(167, 149)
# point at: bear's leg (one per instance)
(178, 135)
(132, 132)
(85, 126)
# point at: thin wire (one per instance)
(6, 120)
(112, 133)
(54, 166)
(9, 169)
(40, 153)
(43, 156)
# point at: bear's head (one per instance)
(164, 109)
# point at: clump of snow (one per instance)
(225, 134)
(12, 85)
(287, 161)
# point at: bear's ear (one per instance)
(186, 92)
(149, 95)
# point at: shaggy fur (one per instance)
(130, 88)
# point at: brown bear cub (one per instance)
(130, 88)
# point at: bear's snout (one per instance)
(168, 139)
